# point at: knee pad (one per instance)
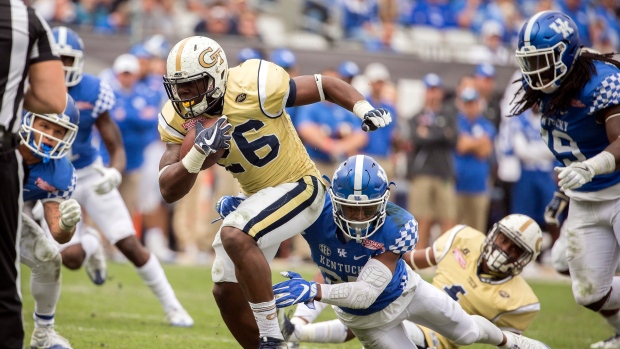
(598, 305)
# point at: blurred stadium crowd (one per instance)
(455, 154)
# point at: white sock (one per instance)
(308, 314)
(415, 333)
(332, 331)
(267, 319)
(45, 281)
(89, 245)
(154, 277)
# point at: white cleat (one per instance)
(179, 318)
(45, 337)
(96, 266)
(516, 341)
(609, 343)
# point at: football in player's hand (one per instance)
(188, 143)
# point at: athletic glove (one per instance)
(293, 291)
(375, 118)
(226, 204)
(110, 179)
(214, 138)
(555, 207)
(574, 175)
(70, 214)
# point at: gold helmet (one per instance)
(198, 66)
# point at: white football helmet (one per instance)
(524, 232)
(201, 62)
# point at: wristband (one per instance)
(362, 107)
(319, 84)
(428, 257)
(193, 160)
(602, 163)
(415, 267)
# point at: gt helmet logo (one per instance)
(215, 57)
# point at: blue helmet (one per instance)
(284, 58)
(157, 46)
(248, 53)
(70, 45)
(547, 48)
(42, 143)
(348, 69)
(359, 193)
(140, 51)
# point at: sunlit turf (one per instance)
(123, 314)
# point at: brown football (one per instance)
(188, 143)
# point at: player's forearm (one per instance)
(175, 182)
(341, 93)
(60, 235)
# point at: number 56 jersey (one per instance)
(265, 150)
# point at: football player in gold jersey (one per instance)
(281, 186)
(480, 272)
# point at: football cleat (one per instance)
(287, 328)
(272, 343)
(96, 266)
(45, 337)
(179, 318)
(516, 341)
(609, 343)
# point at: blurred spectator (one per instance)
(380, 146)
(536, 185)
(430, 163)
(246, 26)
(357, 17)
(330, 134)
(434, 13)
(485, 85)
(582, 16)
(248, 53)
(216, 20)
(606, 12)
(348, 70)
(381, 37)
(492, 50)
(55, 11)
(157, 16)
(474, 149)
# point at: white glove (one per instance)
(70, 214)
(574, 175)
(110, 179)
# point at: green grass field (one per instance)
(123, 314)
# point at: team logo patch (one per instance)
(503, 294)
(240, 98)
(325, 250)
(44, 185)
(577, 103)
(458, 255)
(191, 123)
(372, 245)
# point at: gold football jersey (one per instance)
(265, 150)
(510, 305)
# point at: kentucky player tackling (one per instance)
(50, 177)
(358, 242)
(579, 95)
(480, 272)
(97, 189)
(263, 152)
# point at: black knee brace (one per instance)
(598, 305)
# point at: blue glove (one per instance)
(555, 207)
(293, 291)
(214, 138)
(376, 118)
(226, 204)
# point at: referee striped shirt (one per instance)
(25, 39)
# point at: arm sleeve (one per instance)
(43, 48)
(361, 294)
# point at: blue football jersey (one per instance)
(93, 97)
(341, 261)
(53, 180)
(576, 135)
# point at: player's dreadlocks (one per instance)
(572, 84)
